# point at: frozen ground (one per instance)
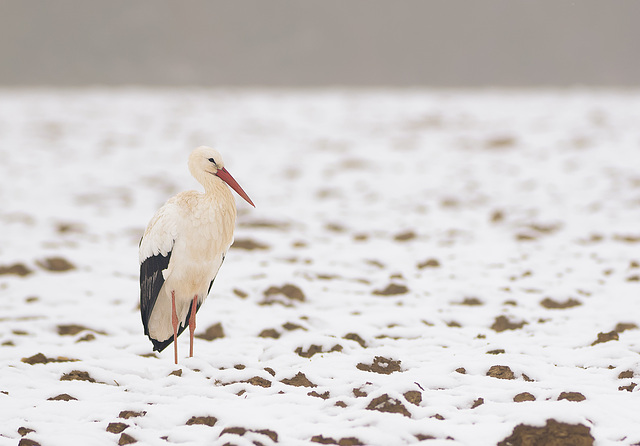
(426, 237)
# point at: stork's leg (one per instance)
(192, 323)
(174, 322)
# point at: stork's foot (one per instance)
(174, 322)
(192, 323)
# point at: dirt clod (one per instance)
(405, 236)
(55, 264)
(17, 269)
(624, 326)
(413, 396)
(385, 403)
(215, 331)
(248, 244)
(626, 374)
(357, 338)
(22, 431)
(606, 337)
(28, 442)
(524, 396)
(501, 372)
(290, 326)
(117, 428)
(206, 421)
(461, 370)
(77, 375)
(259, 381)
(381, 365)
(312, 350)
(300, 380)
(572, 396)
(429, 263)
(40, 358)
(556, 305)
(553, 433)
(62, 397)
(74, 329)
(291, 292)
(477, 402)
(269, 333)
(126, 414)
(471, 302)
(392, 289)
(628, 388)
(126, 439)
(323, 395)
(502, 323)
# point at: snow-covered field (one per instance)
(404, 244)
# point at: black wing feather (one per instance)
(151, 281)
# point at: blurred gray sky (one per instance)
(436, 43)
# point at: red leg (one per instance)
(192, 323)
(174, 322)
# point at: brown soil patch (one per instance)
(126, 439)
(215, 331)
(626, 374)
(28, 442)
(22, 431)
(126, 414)
(40, 358)
(323, 395)
(498, 351)
(347, 441)
(429, 263)
(556, 305)
(413, 396)
(628, 388)
(55, 264)
(461, 370)
(357, 338)
(117, 428)
(624, 326)
(313, 349)
(17, 269)
(300, 380)
(478, 402)
(258, 381)
(405, 236)
(248, 244)
(572, 396)
(176, 373)
(62, 397)
(288, 290)
(606, 337)
(502, 323)
(553, 433)
(269, 333)
(501, 372)
(290, 326)
(74, 329)
(385, 403)
(471, 302)
(392, 289)
(241, 294)
(206, 421)
(77, 375)
(381, 365)
(524, 396)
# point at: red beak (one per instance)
(227, 178)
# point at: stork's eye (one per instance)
(212, 160)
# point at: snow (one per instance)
(518, 195)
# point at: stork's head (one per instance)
(205, 161)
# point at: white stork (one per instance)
(182, 249)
